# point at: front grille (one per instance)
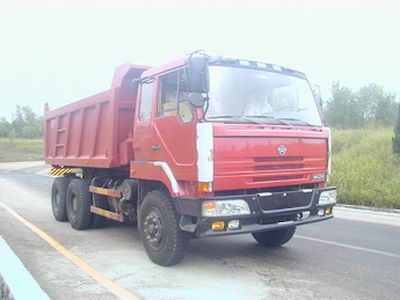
(278, 167)
(278, 163)
(285, 200)
(276, 178)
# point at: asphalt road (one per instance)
(356, 256)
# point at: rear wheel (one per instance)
(58, 195)
(164, 241)
(78, 204)
(274, 238)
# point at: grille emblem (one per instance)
(282, 150)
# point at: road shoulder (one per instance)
(367, 215)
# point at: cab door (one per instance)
(143, 133)
(165, 127)
(174, 125)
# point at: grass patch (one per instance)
(21, 149)
(365, 169)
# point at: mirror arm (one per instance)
(206, 100)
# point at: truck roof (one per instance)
(252, 64)
(225, 61)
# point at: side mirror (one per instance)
(196, 99)
(197, 75)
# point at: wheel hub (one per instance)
(57, 198)
(154, 229)
(74, 204)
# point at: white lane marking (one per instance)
(348, 246)
(20, 282)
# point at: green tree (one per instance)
(396, 138)
(5, 127)
(25, 123)
(18, 121)
(342, 110)
(377, 106)
(369, 106)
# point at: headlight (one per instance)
(327, 198)
(224, 208)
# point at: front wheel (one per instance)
(274, 238)
(165, 243)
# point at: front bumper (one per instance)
(269, 211)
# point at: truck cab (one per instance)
(248, 155)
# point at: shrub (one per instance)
(365, 169)
(396, 139)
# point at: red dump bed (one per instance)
(95, 131)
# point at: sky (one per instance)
(62, 51)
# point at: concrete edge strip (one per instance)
(384, 218)
(366, 211)
(20, 282)
(369, 208)
(110, 285)
(348, 246)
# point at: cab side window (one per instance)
(173, 97)
(145, 101)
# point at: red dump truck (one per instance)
(201, 146)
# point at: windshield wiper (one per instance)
(297, 120)
(277, 120)
(223, 116)
(235, 118)
(274, 120)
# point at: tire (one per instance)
(165, 243)
(58, 196)
(78, 204)
(274, 238)
(101, 202)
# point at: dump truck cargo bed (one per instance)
(96, 131)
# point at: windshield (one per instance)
(258, 96)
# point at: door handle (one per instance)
(155, 147)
